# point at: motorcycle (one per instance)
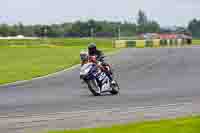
(97, 80)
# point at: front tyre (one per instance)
(115, 89)
(93, 87)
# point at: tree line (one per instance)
(92, 28)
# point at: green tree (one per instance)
(194, 27)
(128, 29)
(12, 30)
(4, 30)
(28, 30)
(38, 30)
(142, 18)
(142, 22)
(144, 25)
(21, 28)
(152, 27)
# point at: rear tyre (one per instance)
(93, 87)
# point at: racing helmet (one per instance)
(84, 55)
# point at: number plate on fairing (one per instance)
(102, 76)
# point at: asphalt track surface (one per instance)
(155, 83)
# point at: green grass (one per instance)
(59, 41)
(182, 125)
(23, 62)
(196, 42)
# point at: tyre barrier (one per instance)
(140, 43)
(120, 44)
(149, 43)
(155, 43)
(131, 43)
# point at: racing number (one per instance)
(102, 76)
(106, 84)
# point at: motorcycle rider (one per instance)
(86, 58)
(93, 51)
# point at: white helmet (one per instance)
(84, 55)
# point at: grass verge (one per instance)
(70, 42)
(196, 42)
(181, 125)
(24, 62)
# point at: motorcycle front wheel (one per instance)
(115, 89)
(93, 87)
